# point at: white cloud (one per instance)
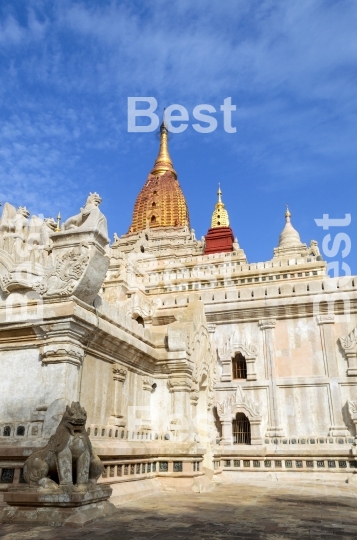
(289, 66)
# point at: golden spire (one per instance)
(220, 215)
(163, 161)
(161, 202)
(287, 214)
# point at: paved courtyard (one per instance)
(267, 510)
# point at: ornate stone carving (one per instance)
(147, 383)
(326, 319)
(61, 277)
(92, 203)
(352, 409)
(55, 353)
(236, 344)
(35, 255)
(69, 446)
(119, 374)
(349, 345)
(267, 323)
(14, 221)
(180, 384)
(239, 400)
(140, 306)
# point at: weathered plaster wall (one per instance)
(27, 383)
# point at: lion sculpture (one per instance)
(68, 454)
(92, 203)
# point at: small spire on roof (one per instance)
(220, 215)
(163, 161)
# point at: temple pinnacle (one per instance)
(163, 161)
(220, 215)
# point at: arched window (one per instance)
(7, 431)
(239, 367)
(153, 219)
(20, 431)
(140, 320)
(241, 429)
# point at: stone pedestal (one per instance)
(56, 507)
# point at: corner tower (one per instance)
(161, 202)
(219, 238)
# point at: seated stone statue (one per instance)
(68, 455)
(92, 204)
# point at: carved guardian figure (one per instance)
(92, 203)
(68, 453)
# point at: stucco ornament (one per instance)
(61, 277)
(38, 255)
(68, 449)
(239, 400)
(352, 407)
(349, 343)
(92, 203)
(235, 344)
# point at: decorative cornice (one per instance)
(57, 353)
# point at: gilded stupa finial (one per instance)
(219, 193)
(161, 202)
(287, 213)
(163, 161)
(220, 215)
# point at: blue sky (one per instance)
(290, 67)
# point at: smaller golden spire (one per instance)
(287, 214)
(58, 227)
(220, 215)
(163, 161)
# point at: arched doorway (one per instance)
(241, 429)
